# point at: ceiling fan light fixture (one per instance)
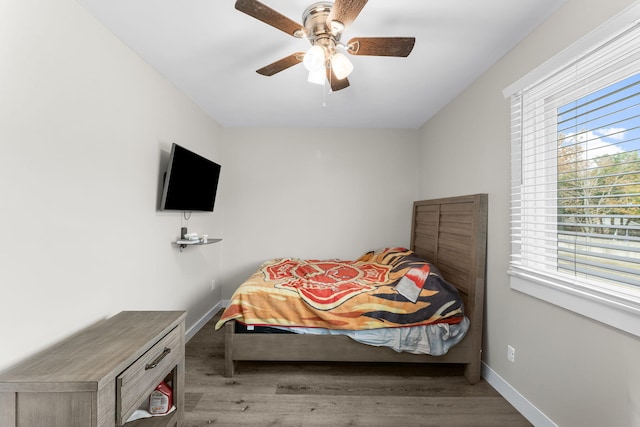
(341, 65)
(317, 76)
(314, 58)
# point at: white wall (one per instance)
(576, 371)
(85, 129)
(315, 193)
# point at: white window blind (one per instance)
(575, 209)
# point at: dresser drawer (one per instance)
(134, 385)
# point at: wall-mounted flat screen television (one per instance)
(190, 183)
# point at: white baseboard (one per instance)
(518, 401)
(204, 319)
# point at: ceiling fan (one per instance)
(323, 25)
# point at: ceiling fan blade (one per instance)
(282, 64)
(345, 11)
(269, 16)
(381, 46)
(336, 84)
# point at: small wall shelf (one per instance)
(183, 243)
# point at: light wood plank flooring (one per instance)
(317, 394)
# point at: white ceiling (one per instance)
(210, 51)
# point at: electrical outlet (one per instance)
(213, 284)
(511, 353)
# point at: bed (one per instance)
(451, 234)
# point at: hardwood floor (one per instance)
(316, 394)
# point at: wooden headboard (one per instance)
(452, 234)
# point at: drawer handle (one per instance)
(153, 364)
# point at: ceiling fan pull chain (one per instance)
(324, 92)
(324, 96)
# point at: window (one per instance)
(598, 190)
(575, 209)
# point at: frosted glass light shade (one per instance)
(341, 65)
(317, 76)
(314, 58)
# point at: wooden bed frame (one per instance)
(449, 232)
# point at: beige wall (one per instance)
(576, 371)
(85, 129)
(315, 193)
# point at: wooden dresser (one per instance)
(99, 376)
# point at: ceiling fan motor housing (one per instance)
(318, 32)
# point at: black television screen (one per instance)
(191, 182)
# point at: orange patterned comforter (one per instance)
(350, 295)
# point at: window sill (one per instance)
(607, 309)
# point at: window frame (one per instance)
(601, 302)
